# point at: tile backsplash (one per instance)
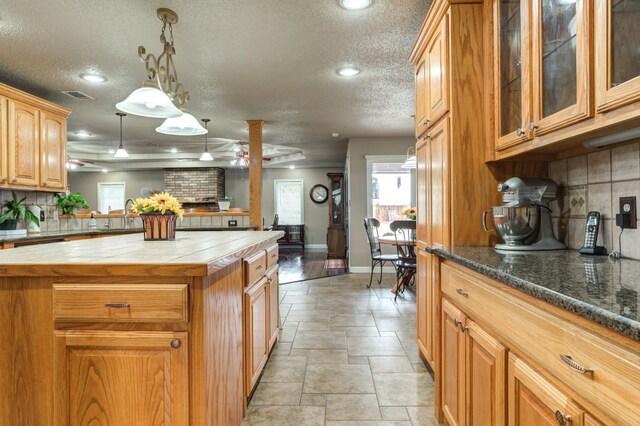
(596, 181)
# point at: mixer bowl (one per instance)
(515, 224)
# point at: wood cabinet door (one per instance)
(562, 80)
(512, 77)
(23, 144)
(423, 311)
(4, 131)
(423, 180)
(617, 57)
(533, 401)
(440, 184)
(274, 307)
(437, 75)
(53, 142)
(453, 364)
(256, 332)
(421, 96)
(486, 381)
(121, 378)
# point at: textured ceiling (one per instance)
(240, 59)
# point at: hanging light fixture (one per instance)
(185, 125)
(241, 157)
(205, 154)
(121, 152)
(155, 97)
(410, 161)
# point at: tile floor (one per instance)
(347, 355)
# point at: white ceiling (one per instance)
(240, 59)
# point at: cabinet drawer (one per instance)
(562, 348)
(255, 267)
(120, 302)
(272, 256)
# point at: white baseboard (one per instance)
(315, 246)
(367, 269)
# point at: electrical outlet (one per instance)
(628, 206)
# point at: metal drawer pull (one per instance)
(459, 324)
(175, 343)
(259, 267)
(574, 365)
(461, 292)
(116, 305)
(562, 419)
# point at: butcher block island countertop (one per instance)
(119, 330)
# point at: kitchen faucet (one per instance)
(126, 213)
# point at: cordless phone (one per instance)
(591, 235)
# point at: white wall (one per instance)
(359, 255)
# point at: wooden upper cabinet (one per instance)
(533, 401)
(617, 37)
(148, 369)
(423, 181)
(53, 141)
(23, 144)
(512, 79)
(421, 96)
(4, 163)
(437, 75)
(561, 55)
(440, 184)
(453, 364)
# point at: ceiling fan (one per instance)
(241, 158)
(74, 164)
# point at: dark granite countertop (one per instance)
(61, 235)
(595, 288)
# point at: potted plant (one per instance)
(14, 210)
(70, 203)
(159, 213)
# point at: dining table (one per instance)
(406, 247)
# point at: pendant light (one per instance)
(205, 154)
(121, 152)
(410, 161)
(155, 98)
(185, 125)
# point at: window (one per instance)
(289, 201)
(391, 189)
(111, 196)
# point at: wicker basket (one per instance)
(158, 226)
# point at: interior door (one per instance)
(53, 141)
(440, 186)
(23, 144)
(561, 41)
(437, 75)
(121, 378)
(617, 37)
(453, 364)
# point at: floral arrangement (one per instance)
(163, 203)
(411, 213)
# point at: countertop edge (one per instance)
(607, 319)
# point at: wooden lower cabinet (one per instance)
(452, 365)
(121, 378)
(256, 332)
(533, 401)
(274, 307)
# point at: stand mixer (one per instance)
(524, 219)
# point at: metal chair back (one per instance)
(371, 225)
(404, 230)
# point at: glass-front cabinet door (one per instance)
(512, 82)
(561, 58)
(617, 46)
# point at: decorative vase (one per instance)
(9, 225)
(158, 226)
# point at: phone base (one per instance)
(594, 251)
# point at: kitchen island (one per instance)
(122, 331)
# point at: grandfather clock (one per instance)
(336, 239)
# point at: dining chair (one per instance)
(371, 225)
(404, 230)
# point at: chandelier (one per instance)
(155, 98)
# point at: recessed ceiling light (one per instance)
(348, 71)
(335, 135)
(292, 167)
(104, 170)
(83, 134)
(112, 151)
(173, 150)
(355, 4)
(93, 78)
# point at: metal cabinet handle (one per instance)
(562, 419)
(519, 132)
(533, 126)
(575, 366)
(116, 305)
(461, 326)
(259, 267)
(461, 292)
(14, 181)
(4, 179)
(176, 343)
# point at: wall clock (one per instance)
(319, 194)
